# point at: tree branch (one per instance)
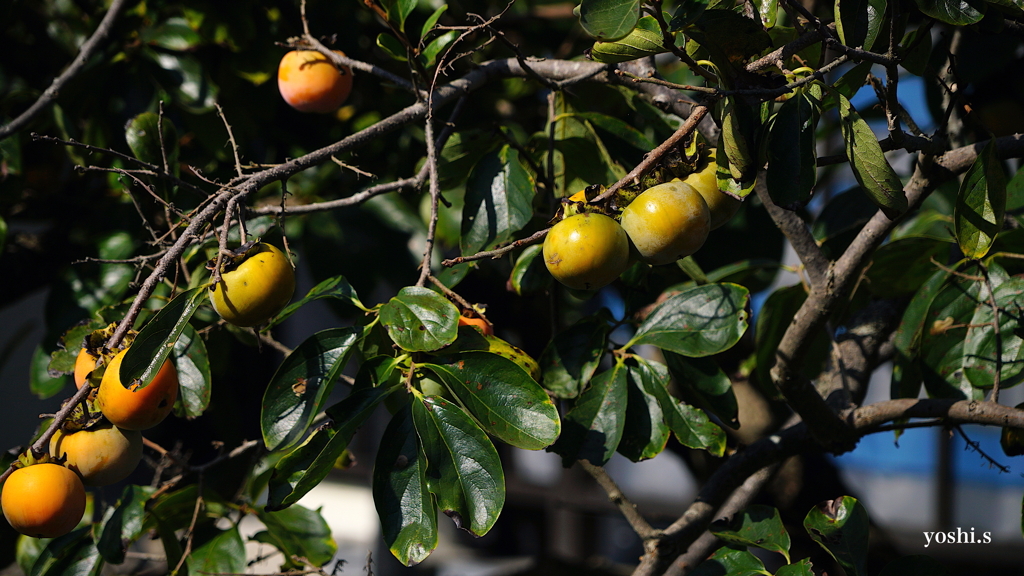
(84, 54)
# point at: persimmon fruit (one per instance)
(667, 222)
(310, 82)
(722, 206)
(586, 251)
(136, 408)
(479, 323)
(255, 290)
(85, 363)
(43, 500)
(102, 455)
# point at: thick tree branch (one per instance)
(84, 54)
(797, 232)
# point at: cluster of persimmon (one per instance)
(45, 496)
(587, 250)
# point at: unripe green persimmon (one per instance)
(722, 206)
(256, 289)
(667, 222)
(586, 251)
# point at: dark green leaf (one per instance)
(301, 532)
(216, 551)
(572, 356)
(859, 21)
(698, 322)
(463, 469)
(503, 397)
(980, 204)
(690, 425)
(392, 46)
(142, 136)
(461, 154)
(899, 268)
(41, 382)
(408, 516)
(917, 46)
(306, 466)
(398, 11)
(593, 428)
(982, 346)
(645, 432)
(851, 81)
(123, 524)
(499, 198)
(687, 12)
(334, 287)
(756, 525)
(869, 165)
(620, 129)
(703, 379)
(792, 168)
(609, 19)
(73, 554)
(193, 365)
(916, 565)
(302, 383)
(530, 275)
(840, 526)
(731, 562)
(955, 12)
(155, 341)
(801, 568)
(419, 319)
(172, 34)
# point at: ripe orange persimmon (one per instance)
(43, 500)
(102, 455)
(139, 408)
(309, 81)
(478, 323)
(255, 290)
(84, 364)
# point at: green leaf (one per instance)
(907, 338)
(792, 168)
(461, 154)
(916, 565)
(768, 11)
(123, 523)
(398, 11)
(980, 204)
(840, 526)
(463, 469)
(530, 275)
(982, 347)
(917, 49)
(618, 128)
(333, 287)
(437, 46)
(869, 165)
(738, 128)
(644, 40)
(697, 322)
(593, 428)
(155, 341)
(731, 561)
(572, 356)
(41, 382)
(899, 268)
(859, 21)
(432, 20)
(419, 319)
(499, 196)
(503, 397)
(687, 12)
(142, 136)
(303, 468)
(193, 365)
(850, 82)
(172, 34)
(609, 19)
(690, 425)
(801, 568)
(216, 551)
(955, 12)
(645, 432)
(392, 46)
(408, 516)
(3, 223)
(73, 554)
(703, 379)
(300, 532)
(756, 525)
(302, 383)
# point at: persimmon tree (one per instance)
(426, 197)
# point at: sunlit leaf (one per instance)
(840, 526)
(419, 319)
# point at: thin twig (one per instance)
(231, 137)
(628, 509)
(77, 65)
